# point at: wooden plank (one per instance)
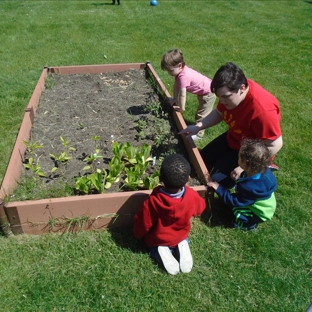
(35, 216)
(95, 69)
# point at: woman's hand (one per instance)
(190, 130)
(235, 174)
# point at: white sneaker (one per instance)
(196, 137)
(186, 259)
(169, 261)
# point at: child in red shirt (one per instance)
(163, 221)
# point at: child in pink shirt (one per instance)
(188, 80)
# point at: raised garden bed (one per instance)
(89, 211)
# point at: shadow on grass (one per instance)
(123, 237)
(121, 229)
(218, 215)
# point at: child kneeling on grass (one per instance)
(253, 201)
(163, 221)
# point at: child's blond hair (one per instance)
(171, 59)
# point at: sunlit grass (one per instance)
(269, 270)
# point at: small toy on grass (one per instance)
(154, 2)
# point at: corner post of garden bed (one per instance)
(4, 222)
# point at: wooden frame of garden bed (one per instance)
(83, 212)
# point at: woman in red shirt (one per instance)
(250, 112)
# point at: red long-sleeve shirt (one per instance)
(165, 221)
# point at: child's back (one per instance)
(163, 221)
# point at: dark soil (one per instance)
(109, 105)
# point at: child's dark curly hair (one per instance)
(175, 171)
(255, 155)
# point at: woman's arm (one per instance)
(275, 145)
(212, 119)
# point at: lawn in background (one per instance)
(269, 270)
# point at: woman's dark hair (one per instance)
(175, 171)
(229, 75)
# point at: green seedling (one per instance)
(33, 162)
(162, 133)
(140, 125)
(49, 83)
(63, 157)
(133, 178)
(34, 167)
(96, 138)
(91, 159)
(83, 185)
(130, 153)
(81, 125)
(98, 180)
(115, 168)
(118, 150)
(143, 157)
(150, 182)
(32, 147)
(65, 143)
(94, 181)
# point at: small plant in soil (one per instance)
(128, 161)
(62, 158)
(115, 168)
(130, 152)
(154, 108)
(151, 181)
(133, 179)
(32, 163)
(118, 150)
(93, 157)
(128, 127)
(140, 125)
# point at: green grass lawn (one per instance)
(269, 270)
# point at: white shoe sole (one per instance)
(195, 137)
(169, 261)
(186, 259)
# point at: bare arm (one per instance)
(212, 119)
(182, 99)
(175, 92)
(275, 145)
